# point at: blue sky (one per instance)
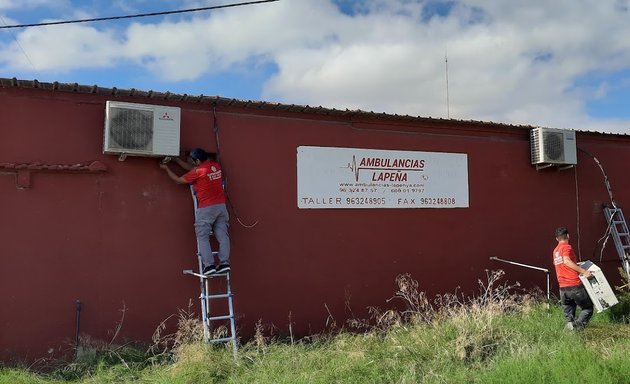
(563, 64)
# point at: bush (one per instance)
(620, 313)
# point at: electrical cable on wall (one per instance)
(577, 213)
(606, 235)
(225, 186)
(606, 182)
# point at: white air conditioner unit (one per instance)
(141, 129)
(553, 146)
(597, 287)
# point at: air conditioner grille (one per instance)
(131, 129)
(553, 145)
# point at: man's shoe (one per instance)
(209, 270)
(569, 326)
(223, 268)
(578, 326)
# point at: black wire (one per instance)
(21, 48)
(225, 185)
(606, 182)
(612, 200)
(216, 131)
(138, 15)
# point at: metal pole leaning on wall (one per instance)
(526, 266)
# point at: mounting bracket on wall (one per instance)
(23, 171)
(559, 167)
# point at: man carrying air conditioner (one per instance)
(205, 177)
(572, 292)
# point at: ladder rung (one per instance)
(211, 276)
(191, 272)
(226, 317)
(221, 296)
(222, 340)
(214, 253)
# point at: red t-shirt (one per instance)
(567, 277)
(207, 181)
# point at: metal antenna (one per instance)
(448, 107)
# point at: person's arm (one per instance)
(184, 164)
(569, 263)
(172, 175)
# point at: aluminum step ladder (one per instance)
(618, 228)
(206, 298)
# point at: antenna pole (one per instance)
(448, 108)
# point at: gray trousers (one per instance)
(208, 220)
(571, 298)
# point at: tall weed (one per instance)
(499, 335)
(620, 313)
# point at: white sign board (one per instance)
(371, 178)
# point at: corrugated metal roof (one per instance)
(260, 105)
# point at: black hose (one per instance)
(215, 128)
(606, 182)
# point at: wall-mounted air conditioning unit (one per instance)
(553, 146)
(141, 129)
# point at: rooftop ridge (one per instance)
(248, 104)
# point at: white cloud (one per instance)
(514, 62)
(12, 4)
(517, 63)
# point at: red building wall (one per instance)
(120, 239)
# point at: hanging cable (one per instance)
(17, 42)
(606, 235)
(577, 213)
(215, 121)
(606, 182)
(137, 15)
(215, 128)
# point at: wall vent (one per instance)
(553, 146)
(141, 129)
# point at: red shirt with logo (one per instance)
(207, 181)
(567, 277)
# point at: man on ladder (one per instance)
(205, 176)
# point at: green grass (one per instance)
(520, 347)
(481, 341)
